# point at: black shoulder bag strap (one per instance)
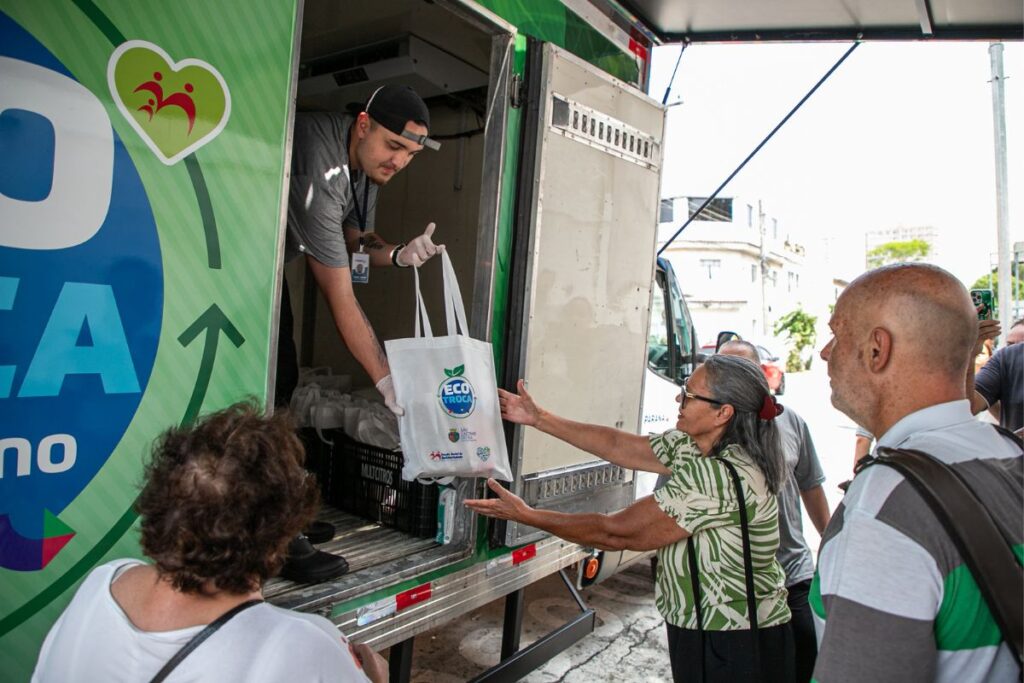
(748, 570)
(977, 538)
(198, 639)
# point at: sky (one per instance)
(900, 135)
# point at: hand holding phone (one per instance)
(983, 303)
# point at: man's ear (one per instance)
(363, 124)
(879, 349)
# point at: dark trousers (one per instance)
(287, 355)
(728, 656)
(805, 641)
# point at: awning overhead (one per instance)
(673, 21)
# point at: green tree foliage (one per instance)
(798, 326)
(898, 252)
(1016, 283)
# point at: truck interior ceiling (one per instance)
(347, 51)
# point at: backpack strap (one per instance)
(1010, 435)
(980, 542)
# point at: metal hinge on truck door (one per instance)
(515, 91)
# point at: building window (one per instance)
(750, 215)
(712, 266)
(753, 272)
(775, 228)
(665, 213)
(718, 210)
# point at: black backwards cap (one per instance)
(392, 106)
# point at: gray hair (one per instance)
(741, 383)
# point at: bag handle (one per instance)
(977, 538)
(421, 310)
(454, 309)
(199, 638)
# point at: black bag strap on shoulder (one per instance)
(977, 537)
(198, 639)
(748, 571)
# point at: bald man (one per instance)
(892, 599)
(803, 482)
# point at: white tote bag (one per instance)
(452, 422)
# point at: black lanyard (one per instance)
(361, 211)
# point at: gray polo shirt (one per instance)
(804, 473)
(320, 201)
(894, 600)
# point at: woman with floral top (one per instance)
(725, 426)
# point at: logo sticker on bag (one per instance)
(456, 393)
(483, 453)
(445, 455)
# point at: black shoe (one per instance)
(306, 564)
(319, 532)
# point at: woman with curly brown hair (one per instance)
(220, 502)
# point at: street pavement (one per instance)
(630, 642)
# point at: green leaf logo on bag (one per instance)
(175, 107)
(456, 393)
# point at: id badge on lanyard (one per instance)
(360, 259)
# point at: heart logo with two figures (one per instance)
(175, 107)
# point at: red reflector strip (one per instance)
(412, 596)
(638, 49)
(525, 553)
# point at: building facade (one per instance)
(738, 269)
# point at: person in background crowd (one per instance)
(220, 502)
(803, 481)
(1016, 333)
(862, 445)
(999, 385)
(726, 424)
(890, 600)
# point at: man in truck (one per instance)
(339, 162)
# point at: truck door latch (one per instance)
(515, 91)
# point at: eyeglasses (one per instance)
(687, 395)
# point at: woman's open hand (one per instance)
(518, 408)
(506, 506)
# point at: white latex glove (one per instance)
(386, 387)
(419, 250)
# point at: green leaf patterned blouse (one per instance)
(701, 498)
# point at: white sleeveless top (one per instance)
(94, 640)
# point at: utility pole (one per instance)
(764, 271)
(995, 51)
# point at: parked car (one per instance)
(774, 367)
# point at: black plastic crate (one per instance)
(318, 458)
(367, 481)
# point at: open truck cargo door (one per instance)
(593, 154)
